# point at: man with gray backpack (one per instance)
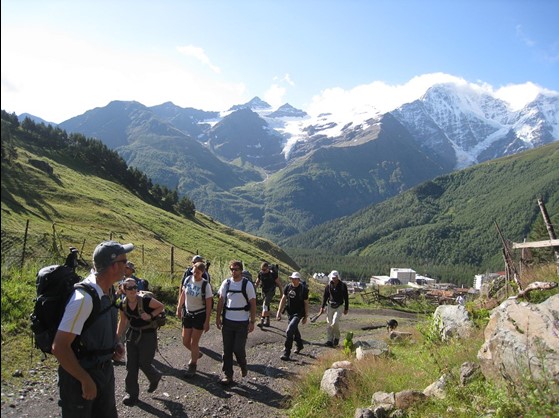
(86, 375)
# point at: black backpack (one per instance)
(55, 285)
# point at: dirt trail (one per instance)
(264, 392)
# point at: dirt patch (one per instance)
(265, 392)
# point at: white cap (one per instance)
(334, 273)
(295, 275)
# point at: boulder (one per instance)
(522, 340)
(335, 382)
(371, 348)
(453, 321)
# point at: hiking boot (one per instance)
(329, 344)
(299, 348)
(130, 400)
(336, 342)
(191, 371)
(244, 371)
(153, 385)
(267, 324)
(226, 381)
(285, 357)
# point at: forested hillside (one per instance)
(445, 227)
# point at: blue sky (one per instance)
(62, 58)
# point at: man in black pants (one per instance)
(297, 298)
(269, 280)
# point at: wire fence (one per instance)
(29, 248)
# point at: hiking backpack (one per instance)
(156, 322)
(243, 291)
(55, 285)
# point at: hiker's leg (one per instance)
(71, 401)
(291, 332)
(228, 334)
(132, 367)
(147, 347)
(104, 405)
(330, 320)
(195, 345)
(336, 318)
(187, 338)
(268, 301)
(239, 344)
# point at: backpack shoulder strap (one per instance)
(244, 289)
(96, 311)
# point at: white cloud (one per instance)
(378, 95)
(199, 54)
(519, 95)
(274, 95)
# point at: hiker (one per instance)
(296, 296)
(269, 280)
(460, 300)
(195, 309)
(337, 298)
(86, 380)
(129, 271)
(237, 304)
(188, 272)
(141, 339)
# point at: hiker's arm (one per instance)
(280, 308)
(122, 322)
(218, 312)
(62, 350)
(252, 320)
(180, 303)
(209, 300)
(156, 306)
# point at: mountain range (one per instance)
(280, 172)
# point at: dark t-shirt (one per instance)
(296, 296)
(268, 280)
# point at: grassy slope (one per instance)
(86, 207)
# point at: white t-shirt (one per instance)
(79, 307)
(193, 295)
(237, 300)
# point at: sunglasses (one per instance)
(132, 288)
(234, 268)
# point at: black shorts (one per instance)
(194, 320)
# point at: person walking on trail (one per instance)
(337, 298)
(86, 377)
(296, 296)
(130, 272)
(141, 339)
(269, 280)
(235, 317)
(195, 309)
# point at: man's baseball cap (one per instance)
(295, 275)
(197, 258)
(106, 253)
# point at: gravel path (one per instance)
(265, 392)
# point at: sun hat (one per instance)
(295, 275)
(334, 273)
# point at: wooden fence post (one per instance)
(172, 261)
(550, 230)
(24, 244)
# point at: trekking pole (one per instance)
(314, 318)
(163, 357)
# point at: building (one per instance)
(480, 279)
(404, 275)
